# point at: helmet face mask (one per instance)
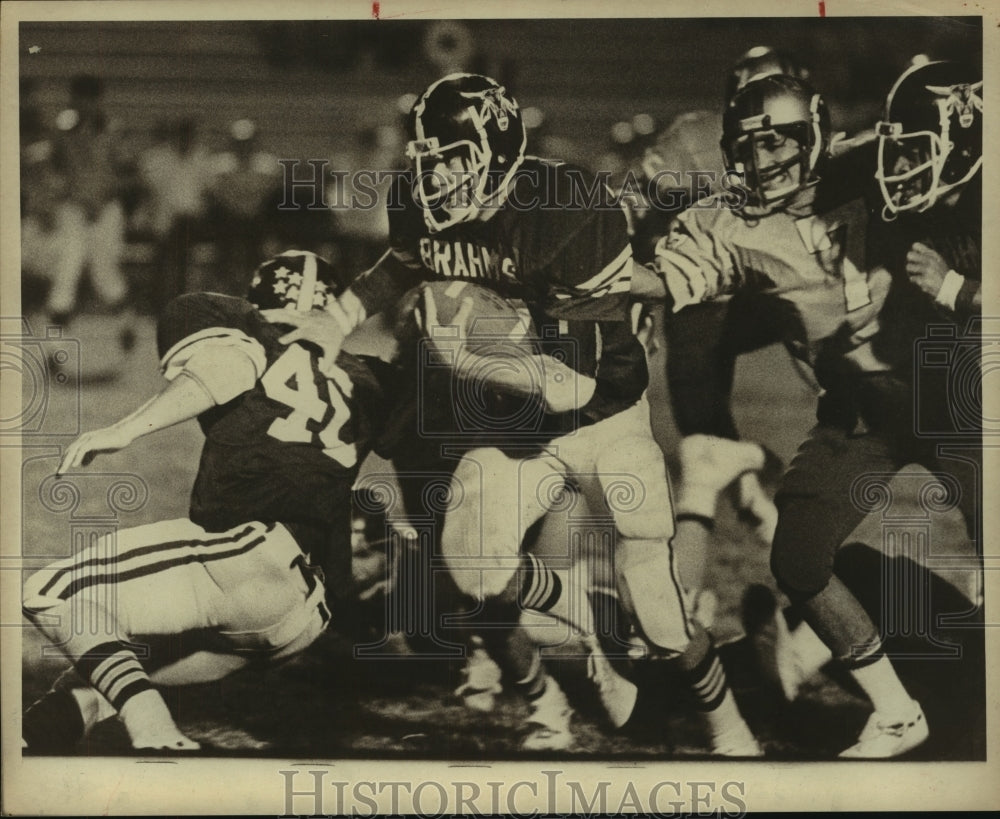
(909, 169)
(775, 132)
(450, 181)
(930, 137)
(773, 160)
(466, 142)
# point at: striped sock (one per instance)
(540, 587)
(707, 682)
(115, 671)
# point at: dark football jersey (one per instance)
(560, 243)
(911, 318)
(956, 234)
(288, 449)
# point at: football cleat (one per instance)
(884, 737)
(550, 720)
(482, 679)
(52, 725)
(150, 725)
(617, 694)
(739, 741)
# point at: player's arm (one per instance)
(372, 291)
(693, 264)
(209, 375)
(951, 290)
(563, 389)
(647, 286)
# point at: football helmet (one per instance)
(930, 139)
(466, 141)
(776, 132)
(297, 279)
(761, 61)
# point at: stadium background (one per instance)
(332, 90)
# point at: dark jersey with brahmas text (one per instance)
(559, 243)
(288, 448)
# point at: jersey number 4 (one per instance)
(289, 381)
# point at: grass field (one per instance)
(327, 705)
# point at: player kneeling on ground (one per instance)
(243, 576)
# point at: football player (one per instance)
(704, 341)
(241, 580)
(789, 242)
(476, 207)
(930, 154)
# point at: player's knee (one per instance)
(479, 465)
(634, 481)
(646, 524)
(800, 572)
(34, 600)
(485, 585)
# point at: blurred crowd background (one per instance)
(150, 150)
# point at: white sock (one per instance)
(883, 687)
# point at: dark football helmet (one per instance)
(297, 279)
(761, 61)
(930, 139)
(771, 126)
(466, 141)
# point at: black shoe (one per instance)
(52, 725)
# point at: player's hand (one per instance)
(315, 326)
(91, 444)
(644, 327)
(447, 340)
(926, 268)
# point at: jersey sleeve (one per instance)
(197, 326)
(401, 268)
(622, 373)
(589, 271)
(693, 259)
(406, 222)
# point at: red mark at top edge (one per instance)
(822, 8)
(376, 7)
